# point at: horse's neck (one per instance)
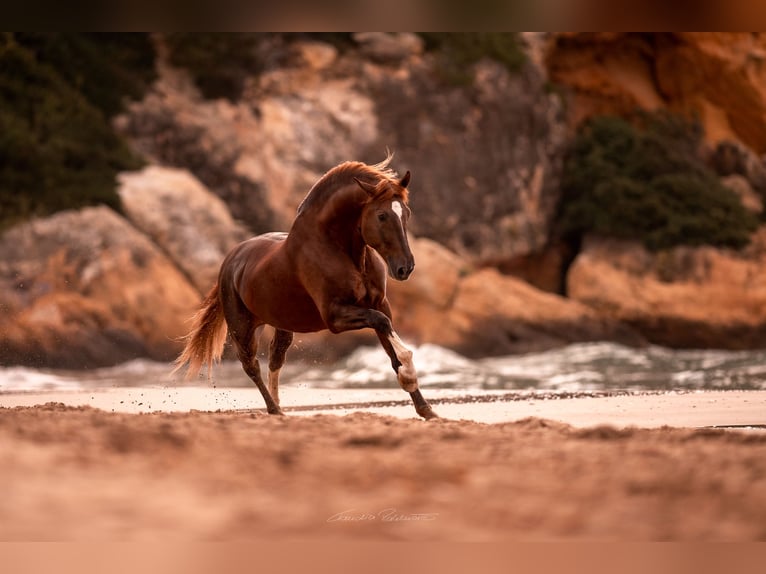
(338, 221)
(342, 221)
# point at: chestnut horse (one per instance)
(328, 272)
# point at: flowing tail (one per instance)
(204, 344)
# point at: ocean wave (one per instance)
(578, 367)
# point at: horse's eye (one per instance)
(382, 216)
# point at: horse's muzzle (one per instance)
(402, 271)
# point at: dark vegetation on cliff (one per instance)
(57, 93)
(646, 180)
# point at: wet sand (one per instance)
(82, 473)
(621, 409)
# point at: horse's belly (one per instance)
(295, 312)
(275, 298)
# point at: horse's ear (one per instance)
(368, 187)
(405, 180)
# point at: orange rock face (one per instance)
(687, 297)
(83, 289)
(719, 77)
(482, 312)
(191, 225)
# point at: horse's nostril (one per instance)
(401, 273)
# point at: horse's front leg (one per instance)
(350, 317)
(401, 360)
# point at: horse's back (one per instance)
(262, 274)
(248, 253)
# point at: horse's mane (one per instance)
(344, 174)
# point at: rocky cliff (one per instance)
(682, 297)
(485, 156)
(94, 287)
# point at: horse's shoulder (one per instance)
(375, 272)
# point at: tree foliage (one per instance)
(57, 147)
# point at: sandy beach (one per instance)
(580, 409)
(630, 467)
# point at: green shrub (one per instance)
(647, 182)
(57, 151)
(459, 50)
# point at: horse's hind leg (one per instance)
(277, 351)
(247, 349)
(244, 330)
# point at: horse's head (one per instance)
(384, 224)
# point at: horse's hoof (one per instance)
(277, 412)
(428, 414)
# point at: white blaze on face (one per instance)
(396, 207)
